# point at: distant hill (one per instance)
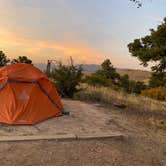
(137, 75)
(90, 67)
(86, 67)
(41, 66)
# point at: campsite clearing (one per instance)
(84, 119)
(142, 144)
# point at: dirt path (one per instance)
(142, 145)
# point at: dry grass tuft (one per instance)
(109, 96)
(158, 93)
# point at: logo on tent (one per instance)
(24, 96)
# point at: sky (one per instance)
(88, 30)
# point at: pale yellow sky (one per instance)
(88, 30)
(40, 51)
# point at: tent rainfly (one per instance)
(26, 95)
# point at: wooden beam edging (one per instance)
(117, 136)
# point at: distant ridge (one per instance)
(41, 66)
(86, 67)
(134, 74)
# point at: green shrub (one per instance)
(3, 59)
(96, 79)
(67, 78)
(136, 87)
(157, 80)
(22, 59)
(124, 83)
(131, 86)
(106, 76)
(109, 71)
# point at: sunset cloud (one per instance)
(41, 50)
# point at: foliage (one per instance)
(109, 71)
(96, 79)
(152, 48)
(125, 83)
(157, 79)
(136, 87)
(67, 78)
(22, 59)
(131, 86)
(137, 2)
(3, 59)
(158, 93)
(107, 76)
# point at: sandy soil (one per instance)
(143, 144)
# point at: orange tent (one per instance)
(26, 95)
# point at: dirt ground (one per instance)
(83, 119)
(143, 144)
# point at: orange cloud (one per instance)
(40, 50)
